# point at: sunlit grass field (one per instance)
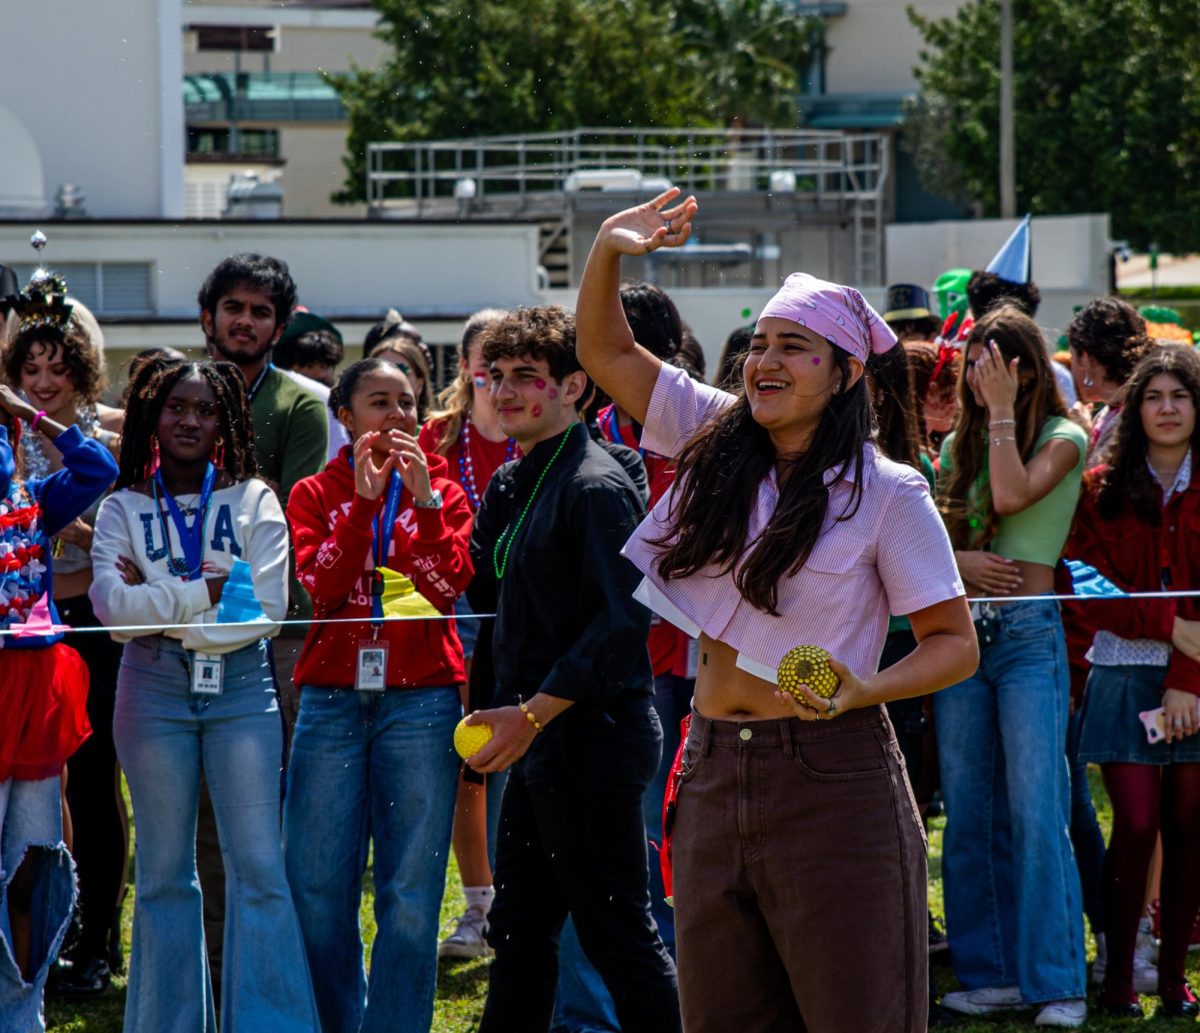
(463, 984)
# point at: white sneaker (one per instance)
(1145, 972)
(985, 1001)
(469, 937)
(1064, 1014)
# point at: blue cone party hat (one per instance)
(239, 605)
(1012, 262)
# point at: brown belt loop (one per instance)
(785, 736)
(705, 736)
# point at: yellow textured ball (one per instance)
(470, 739)
(808, 665)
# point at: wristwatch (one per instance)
(435, 501)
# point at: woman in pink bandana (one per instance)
(799, 861)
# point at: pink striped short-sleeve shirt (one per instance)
(891, 556)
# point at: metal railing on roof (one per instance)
(827, 165)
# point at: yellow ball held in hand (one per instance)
(807, 665)
(470, 739)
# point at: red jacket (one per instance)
(1135, 556)
(331, 533)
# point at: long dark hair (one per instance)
(1127, 478)
(718, 476)
(1018, 337)
(148, 393)
(891, 379)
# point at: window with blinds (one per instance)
(107, 288)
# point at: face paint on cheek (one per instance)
(553, 394)
(816, 360)
(536, 410)
(540, 384)
(481, 380)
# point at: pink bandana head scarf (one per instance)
(839, 314)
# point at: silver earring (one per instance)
(1087, 380)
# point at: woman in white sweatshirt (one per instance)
(192, 538)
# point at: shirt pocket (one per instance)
(837, 551)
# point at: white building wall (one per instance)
(85, 81)
(873, 46)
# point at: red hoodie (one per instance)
(331, 533)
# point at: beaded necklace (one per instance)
(466, 465)
(500, 565)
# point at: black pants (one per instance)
(573, 840)
(100, 847)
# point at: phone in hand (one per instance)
(1154, 722)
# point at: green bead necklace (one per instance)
(499, 564)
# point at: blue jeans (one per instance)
(380, 766)
(165, 737)
(1086, 837)
(31, 833)
(1012, 889)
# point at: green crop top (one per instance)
(1037, 534)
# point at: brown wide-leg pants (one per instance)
(799, 867)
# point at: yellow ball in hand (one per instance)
(807, 665)
(470, 739)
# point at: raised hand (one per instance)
(649, 226)
(412, 464)
(371, 477)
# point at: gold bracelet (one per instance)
(530, 716)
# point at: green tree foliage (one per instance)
(462, 68)
(1107, 111)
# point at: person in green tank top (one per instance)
(1010, 478)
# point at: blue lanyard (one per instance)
(191, 539)
(381, 541)
(614, 431)
(252, 390)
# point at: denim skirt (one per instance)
(1113, 733)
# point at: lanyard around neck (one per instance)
(191, 539)
(381, 541)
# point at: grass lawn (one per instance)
(462, 985)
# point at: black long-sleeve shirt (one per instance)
(566, 620)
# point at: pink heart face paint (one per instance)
(536, 410)
(553, 394)
(816, 360)
(540, 384)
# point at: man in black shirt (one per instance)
(575, 718)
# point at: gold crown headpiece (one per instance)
(44, 302)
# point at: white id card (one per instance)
(371, 670)
(206, 674)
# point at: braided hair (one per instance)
(148, 393)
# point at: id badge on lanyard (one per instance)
(207, 671)
(370, 670)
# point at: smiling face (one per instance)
(384, 401)
(1168, 412)
(242, 328)
(190, 422)
(530, 404)
(46, 380)
(789, 376)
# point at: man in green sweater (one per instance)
(244, 305)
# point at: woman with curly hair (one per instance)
(1107, 338)
(1137, 525)
(794, 828)
(1010, 477)
(190, 524)
(61, 371)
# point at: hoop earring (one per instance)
(154, 456)
(218, 453)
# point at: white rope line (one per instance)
(154, 628)
(136, 629)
